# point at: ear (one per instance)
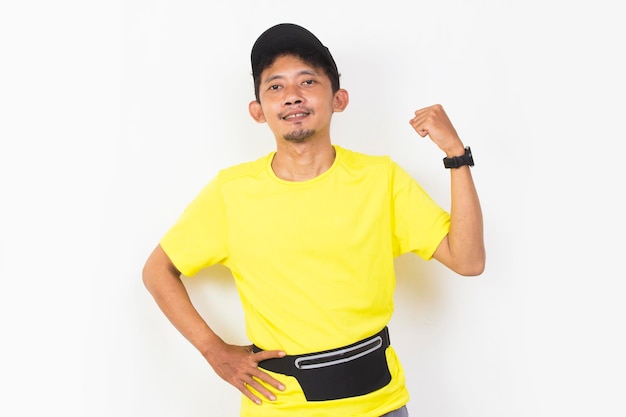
(256, 111)
(340, 101)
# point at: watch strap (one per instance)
(459, 161)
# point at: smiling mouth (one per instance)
(295, 116)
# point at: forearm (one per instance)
(465, 239)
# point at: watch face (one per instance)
(469, 157)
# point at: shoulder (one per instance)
(244, 170)
(360, 160)
(381, 166)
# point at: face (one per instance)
(296, 100)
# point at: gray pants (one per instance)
(400, 412)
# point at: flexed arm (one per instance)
(463, 249)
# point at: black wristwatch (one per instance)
(458, 161)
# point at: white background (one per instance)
(114, 114)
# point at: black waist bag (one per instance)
(349, 371)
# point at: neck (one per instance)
(302, 161)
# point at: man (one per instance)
(310, 232)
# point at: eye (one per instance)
(309, 82)
(274, 87)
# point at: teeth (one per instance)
(291, 116)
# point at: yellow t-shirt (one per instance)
(312, 260)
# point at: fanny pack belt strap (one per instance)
(288, 364)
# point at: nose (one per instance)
(292, 96)
(293, 101)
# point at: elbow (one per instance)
(153, 276)
(147, 276)
(474, 268)
(472, 272)
(158, 267)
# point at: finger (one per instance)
(261, 375)
(255, 386)
(422, 132)
(245, 390)
(418, 128)
(268, 354)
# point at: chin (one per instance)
(299, 136)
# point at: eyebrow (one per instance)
(280, 76)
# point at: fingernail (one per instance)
(281, 387)
(272, 398)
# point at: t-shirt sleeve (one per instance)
(419, 223)
(198, 238)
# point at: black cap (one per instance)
(290, 38)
